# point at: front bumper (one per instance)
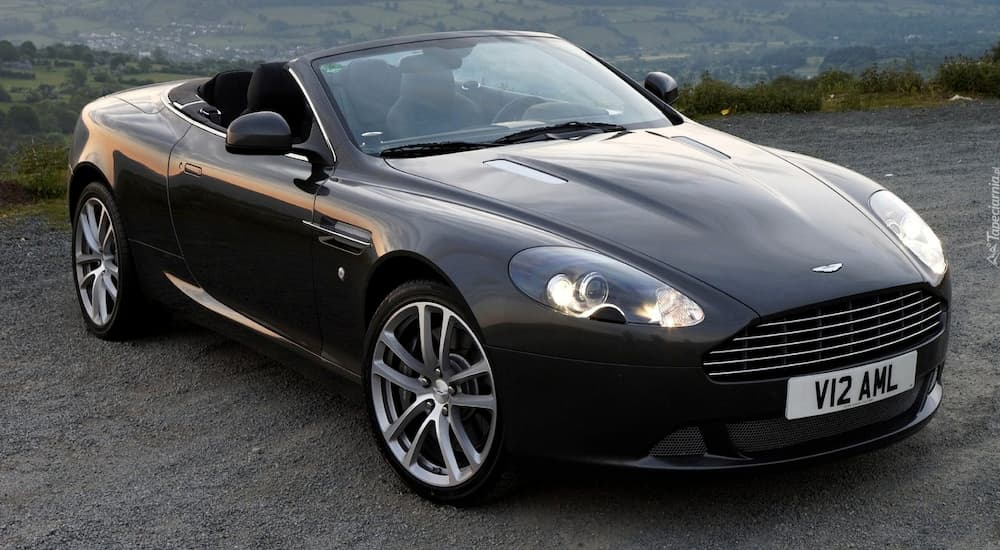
(676, 418)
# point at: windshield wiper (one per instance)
(435, 148)
(562, 128)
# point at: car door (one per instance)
(239, 222)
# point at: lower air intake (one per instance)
(683, 442)
(777, 433)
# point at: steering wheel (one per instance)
(515, 109)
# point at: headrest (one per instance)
(430, 61)
(372, 77)
(272, 88)
(426, 79)
(227, 92)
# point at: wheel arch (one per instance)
(393, 270)
(83, 175)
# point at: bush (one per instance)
(879, 81)
(969, 76)
(782, 95)
(709, 96)
(41, 169)
(835, 82)
(22, 119)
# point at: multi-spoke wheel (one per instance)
(109, 298)
(432, 395)
(96, 259)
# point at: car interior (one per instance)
(420, 96)
(219, 100)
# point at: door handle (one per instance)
(342, 235)
(192, 169)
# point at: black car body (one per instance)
(294, 252)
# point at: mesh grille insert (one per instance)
(683, 442)
(777, 433)
(838, 334)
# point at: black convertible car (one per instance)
(518, 251)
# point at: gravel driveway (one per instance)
(189, 440)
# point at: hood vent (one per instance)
(525, 171)
(697, 145)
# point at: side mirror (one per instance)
(261, 133)
(662, 86)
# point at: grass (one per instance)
(51, 210)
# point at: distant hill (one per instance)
(740, 42)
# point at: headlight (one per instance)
(581, 283)
(911, 229)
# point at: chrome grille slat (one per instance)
(851, 322)
(817, 317)
(936, 323)
(835, 334)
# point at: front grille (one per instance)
(777, 433)
(837, 334)
(683, 442)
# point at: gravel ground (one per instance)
(189, 440)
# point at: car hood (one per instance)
(732, 214)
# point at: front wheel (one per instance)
(431, 394)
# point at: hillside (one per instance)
(756, 39)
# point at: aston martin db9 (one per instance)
(518, 252)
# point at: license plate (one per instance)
(829, 392)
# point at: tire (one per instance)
(102, 265)
(411, 397)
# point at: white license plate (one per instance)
(829, 392)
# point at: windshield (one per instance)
(475, 90)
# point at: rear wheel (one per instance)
(106, 285)
(432, 396)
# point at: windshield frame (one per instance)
(672, 117)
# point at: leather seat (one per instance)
(372, 88)
(272, 88)
(429, 102)
(227, 92)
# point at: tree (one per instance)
(4, 95)
(77, 77)
(159, 56)
(994, 54)
(22, 119)
(28, 49)
(58, 118)
(8, 51)
(117, 61)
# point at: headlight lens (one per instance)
(911, 229)
(581, 283)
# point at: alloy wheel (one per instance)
(95, 257)
(433, 394)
